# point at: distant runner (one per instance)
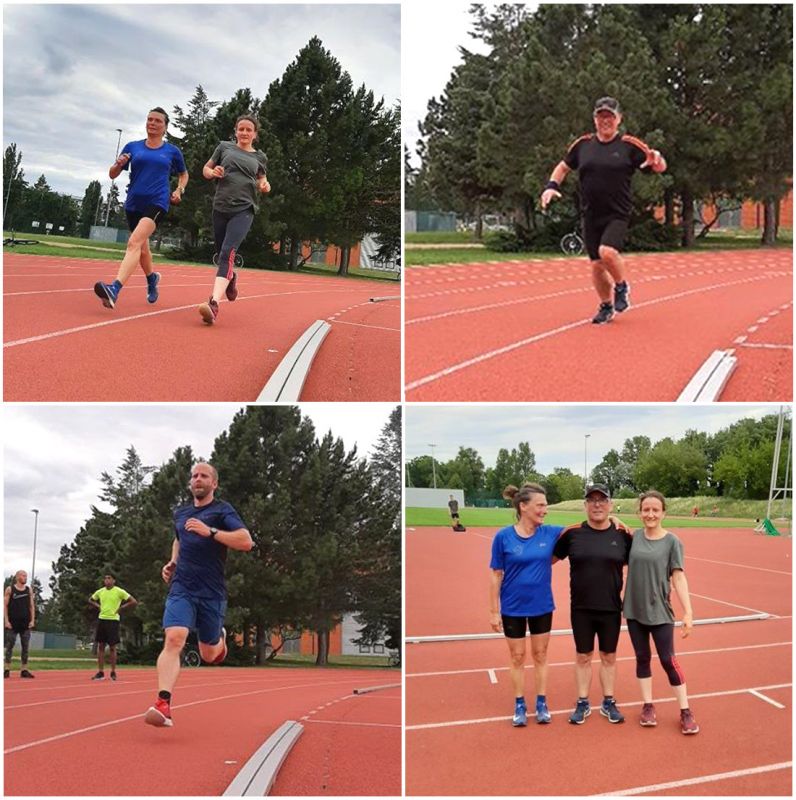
(19, 611)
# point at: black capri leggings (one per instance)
(10, 641)
(664, 644)
(229, 230)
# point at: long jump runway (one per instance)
(459, 737)
(61, 344)
(67, 735)
(516, 331)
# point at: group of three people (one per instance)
(239, 170)
(521, 598)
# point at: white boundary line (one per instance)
(363, 325)
(461, 722)
(492, 675)
(365, 724)
(732, 605)
(719, 776)
(742, 566)
(767, 699)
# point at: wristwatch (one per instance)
(213, 532)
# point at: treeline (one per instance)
(324, 520)
(333, 163)
(710, 85)
(735, 462)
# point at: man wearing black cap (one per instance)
(605, 162)
(597, 553)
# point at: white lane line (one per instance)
(363, 325)
(725, 603)
(460, 722)
(742, 566)
(718, 776)
(767, 699)
(492, 676)
(597, 660)
(767, 346)
(365, 724)
(470, 362)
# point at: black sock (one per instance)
(164, 695)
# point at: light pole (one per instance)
(35, 534)
(586, 460)
(433, 465)
(113, 183)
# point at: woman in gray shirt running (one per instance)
(239, 169)
(655, 566)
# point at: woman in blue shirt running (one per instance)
(151, 162)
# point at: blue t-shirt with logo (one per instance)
(527, 570)
(201, 560)
(150, 170)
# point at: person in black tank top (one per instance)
(20, 617)
(605, 162)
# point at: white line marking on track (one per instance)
(366, 724)
(767, 346)
(461, 722)
(492, 676)
(767, 699)
(719, 776)
(742, 566)
(725, 603)
(362, 325)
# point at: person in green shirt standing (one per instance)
(110, 600)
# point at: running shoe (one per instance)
(608, 709)
(100, 676)
(688, 725)
(582, 710)
(113, 676)
(542, 713)
(107, 292)
(209, 311)
(604, 314)
(520, 718)
(232, 287)
(648, 718)
(220, 658)
(621, 297)
(152, 282)
(26, 674)
(159, 715)
(6, 673)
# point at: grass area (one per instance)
(58, 241)
(500, 517)
(441, 237)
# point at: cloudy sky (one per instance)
(73, 74)
(556, 433)
(54, 455)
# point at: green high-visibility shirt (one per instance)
(110, 600)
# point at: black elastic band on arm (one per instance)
(552, 185)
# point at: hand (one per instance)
(265, 187)
(548, 195)
(8, 625)
(31, 624)
(176, 196)
(688, 624)
(197, 526)
(653, 159)
(217, 171)
(496, 622)
(122, 159)
(168, 571)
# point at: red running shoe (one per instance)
(220, 658)
(159, 715)
(688, 725)
(209, 311)
(648, 719)
(232, 288)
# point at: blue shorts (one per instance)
(205, 616)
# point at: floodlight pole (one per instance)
(113, 183)
(586, 460)
(35, 534)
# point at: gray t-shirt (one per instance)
(649, 572)
(238, 189)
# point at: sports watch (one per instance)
(213, 532)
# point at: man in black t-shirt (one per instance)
(605, 162)
(598, 553)
(19, 617)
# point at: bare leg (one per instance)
(100, 657)
(132, 257)
(539, 652)
(607, 673)
(112, 653)
(517, 666)
(613, 262)
(210, 652)
(583, 673)
(602, 282)
(147, 264)
(169, 658)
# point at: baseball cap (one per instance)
(607, 104)
(597, 487)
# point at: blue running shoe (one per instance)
(621, 297)
(605, 313)
(520, 718)
(107, 292)
(608, 709)
(582, 710)
(152, 282)
(542, 713)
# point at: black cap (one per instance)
(607, 104)
(597, 487)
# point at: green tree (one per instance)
(676, 469)
(89, 208)
(14, 185)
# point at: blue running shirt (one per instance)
(527, 570)
(201, 560)
(150, 170)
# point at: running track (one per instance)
(459, 739)
(65, 735)
(522, 330)
(61, 344)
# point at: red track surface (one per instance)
(459, 738)
(522, 330)
(221, 717)
(60, 344)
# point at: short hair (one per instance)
(159, 110)
(108, 575)
(651, 493)
(213, 470)
(523, 494)
(17, 573)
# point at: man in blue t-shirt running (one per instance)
(203, 531)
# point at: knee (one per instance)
(607, 253)
(608, 659)
(539, 657)
(517, 659)
(583, 659)
(175, 640)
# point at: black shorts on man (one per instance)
(107, 632)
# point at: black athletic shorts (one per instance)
(610, 232)
(155, 213)
(605, 625)
(107, 631)
(454, 515)
(514, 627)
